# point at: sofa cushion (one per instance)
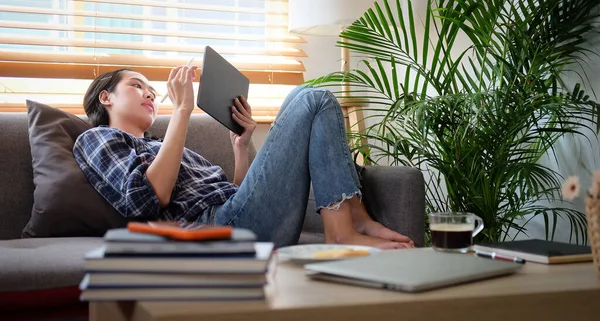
(43, 263)
(16, 176)
(65, 203)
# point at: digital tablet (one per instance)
(220, 84)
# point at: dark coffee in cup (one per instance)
(451, 236)
(454, 231)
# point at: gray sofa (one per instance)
(395, 195)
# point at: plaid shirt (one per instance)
(115, 163)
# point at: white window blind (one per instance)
(52, 49)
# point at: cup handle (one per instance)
(479, 226)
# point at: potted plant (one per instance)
(475, 120)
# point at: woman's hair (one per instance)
(94, 109)
(96, 112)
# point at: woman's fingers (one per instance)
(172, 76)
(186, 74)
(238, 120)
(174, 72)
(242, 112)
(192, 73)
(241, 119)
(179, 86)
(240, 107)
(247, 110)
(183, 74)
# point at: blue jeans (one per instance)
(307, 143)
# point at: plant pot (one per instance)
(592, 211)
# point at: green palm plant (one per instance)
(475, 120)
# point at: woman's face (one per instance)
(132, 103)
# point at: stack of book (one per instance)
(144, 266)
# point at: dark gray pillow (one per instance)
(65, 203)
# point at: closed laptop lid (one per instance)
(412, 270)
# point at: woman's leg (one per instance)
(333, 174)
(272, 198)
(304, 143)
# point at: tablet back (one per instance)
(220, 84)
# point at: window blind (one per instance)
(52, 40)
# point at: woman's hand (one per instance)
(243, 116)
(179, 86)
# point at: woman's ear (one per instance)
(104, 98)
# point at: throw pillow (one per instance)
(65, 203)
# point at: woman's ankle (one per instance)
(358, 213)
(338, 224)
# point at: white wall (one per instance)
(323, 58)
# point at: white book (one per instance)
(97, 261)
(141, 280)
(164, 294)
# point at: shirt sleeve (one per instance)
(110, 161)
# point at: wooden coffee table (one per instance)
(538, 292)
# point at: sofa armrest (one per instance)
(395, 196)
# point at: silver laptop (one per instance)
(411, 270)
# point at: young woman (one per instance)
(151, 180)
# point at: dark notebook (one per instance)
(540, 251)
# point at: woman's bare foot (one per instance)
(339, 229)
(360, 239)
(375, 229)
(364, 224)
